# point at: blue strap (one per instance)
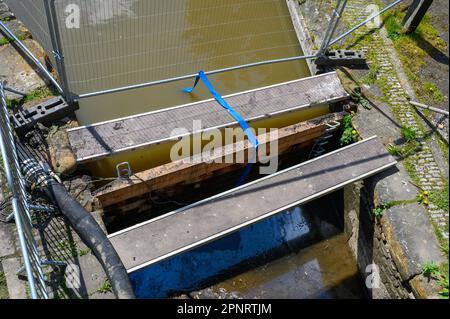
(201, 75)
(247, 171)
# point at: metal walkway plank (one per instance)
(99, 140)
(210, 219)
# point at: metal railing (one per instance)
(32, 264)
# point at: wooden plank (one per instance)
(215, 217)
(94, 142)
(191, 171)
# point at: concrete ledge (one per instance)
(16, 287)
(303, 35)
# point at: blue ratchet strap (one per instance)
(247, 171)
(201, 75)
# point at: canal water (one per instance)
(325, 270)
(301, 253)
(159, 39)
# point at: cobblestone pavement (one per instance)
(424, 164)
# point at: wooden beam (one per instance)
(187, 172)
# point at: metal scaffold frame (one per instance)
(13, 170)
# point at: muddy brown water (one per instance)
(325, 270)
(203, 34)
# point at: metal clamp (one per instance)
(57, 55)
(124, 170)
(332, 126)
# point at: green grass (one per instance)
(408, 133)
(440, 198)
(5, 40)
(430, 269)
(433, 92)
(105, 287)
(83, 252)
(378, 211)
(395, 150)
(372, 75)
(444, 285)
(393, 28)
(444, 148)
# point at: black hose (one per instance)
(94, 237)
(83, 223)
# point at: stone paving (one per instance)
(424, 164)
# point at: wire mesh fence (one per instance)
(19, 202)
(107, 44)
(101, 45)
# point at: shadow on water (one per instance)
(300, 253)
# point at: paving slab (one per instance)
(16, 71)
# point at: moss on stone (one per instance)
(3, 287)
(410, 48)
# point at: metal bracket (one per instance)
(57, 55)
(44, 263)
(124, 170)
(332, 126)
(318, 148)
(42, 208)
(9, 89)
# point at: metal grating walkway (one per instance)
(205, 221)
(99, 140)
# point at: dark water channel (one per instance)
(302, 253)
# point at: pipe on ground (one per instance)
(83, 223)
(94, 237)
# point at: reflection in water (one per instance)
(301, 253)
(102, 11)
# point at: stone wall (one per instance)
(368, 241)
(398, 243)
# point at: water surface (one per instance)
(128, 42)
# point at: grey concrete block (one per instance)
(415, 234)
